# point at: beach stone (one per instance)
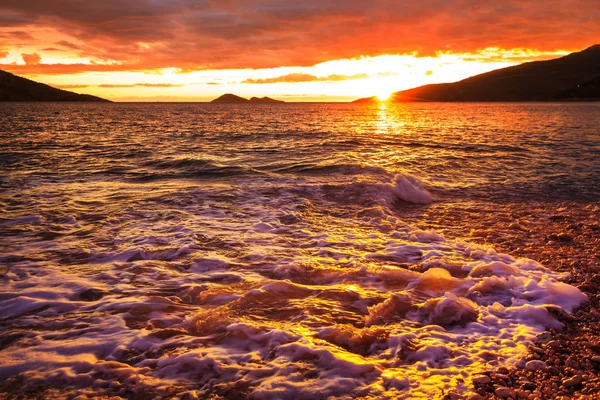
(503, 392)
(535, 365)
(565, 237)
(475, 396)
(481, 380)
(553, 370)
(556, 217)
(555, 343)
(523, 394)
(573, 381)
(538, 350)
(504, 377)
(571, 362)
(590, 288)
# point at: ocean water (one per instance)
(276, 251)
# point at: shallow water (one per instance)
(275, 251)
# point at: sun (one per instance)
(383, 96)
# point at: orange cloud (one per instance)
(295, 78)
(69, 45)
(151, 85)
(217, 34)
(31, 59)
(67, 87)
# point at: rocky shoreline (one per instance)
(566, 238)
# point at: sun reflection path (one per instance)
(387, 122)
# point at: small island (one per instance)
(232, 98)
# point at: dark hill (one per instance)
(232, 98)
(573, 77)
(15, 88)
(265, 100)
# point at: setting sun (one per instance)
(383, 96)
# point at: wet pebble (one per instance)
(573, 381)
(482, 379)
(503, 392)
(535, 365)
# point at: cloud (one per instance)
(3, 54)
(151, 85)
(67, 87)
(209, 34)
(31, 59)
(68, 45)
(16, 36)
(296, 78)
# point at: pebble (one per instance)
(503, 392)
(565, 237)
(501, 376)
(535, 365)
(482, 379)
(573, 381)
(538, 350)
(475, 396)
(570, 362)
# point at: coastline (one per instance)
(563, 236)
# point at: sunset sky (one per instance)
(185, 50)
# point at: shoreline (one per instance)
(564, 237)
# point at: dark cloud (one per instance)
(190, 34)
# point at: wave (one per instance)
(401, 188)
(174, 168)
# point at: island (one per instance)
(16, 88)
(232, 98)
(575, 77)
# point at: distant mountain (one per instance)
(573, 77)
(232, 98)
(15, 88)
(265, 100)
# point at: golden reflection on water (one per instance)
(260, 260)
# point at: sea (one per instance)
(280, 251)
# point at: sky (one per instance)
(314, 50)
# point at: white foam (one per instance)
(228, 299)
(411, 189)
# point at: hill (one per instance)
(15, 88)
(572, 77)
(265, 100)
(232, 98)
